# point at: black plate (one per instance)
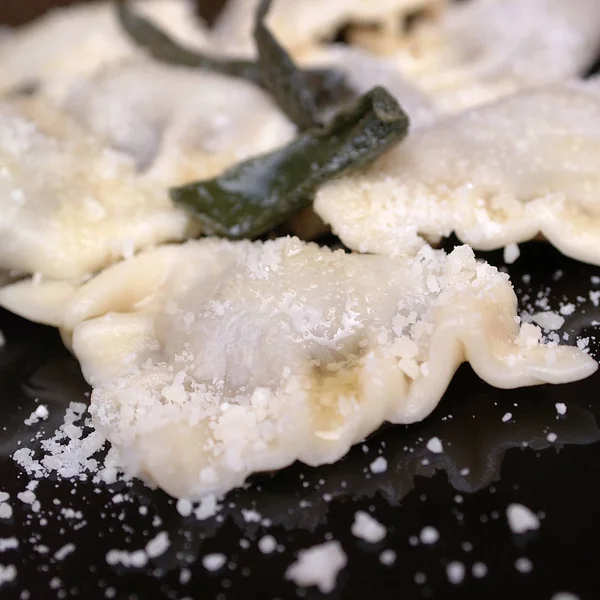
(507, 462)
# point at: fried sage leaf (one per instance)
(328, 87)
(282, 78)
(257, 195)
(163, 48)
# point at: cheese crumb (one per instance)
(387, 558)
(552, 437)
(479, 570)
(455, 572)
(184, 507)
(267, 544)
(8, 573)
(429, 535)
(379, 465)
(158, 545)
(63, 552)
(523, 565)
(367, 528)
(521, 519)
(507, 417)
(548, 320)
(318, 566)
(435, 445)
(511, 253)
(561, 408)
(214, 562)
(11, 543)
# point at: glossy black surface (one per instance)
(508, 462)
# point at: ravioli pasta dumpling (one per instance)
(480, 50)
(69, 44)
(179, 124)
(213, 360)
(494, 175)
(68, 205)
(300, 24)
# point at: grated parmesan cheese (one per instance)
(318, 566)
(367, 528)
(521, 519)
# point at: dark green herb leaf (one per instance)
(329, 86)
(263, 192)
(282, 78)
(164, 49)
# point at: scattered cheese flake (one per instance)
(429, 535)
(511, 253)
(521, 519)
(379, 465)
(5, 510)
(523, 565)
(435, 445)
(63, 552)
(184, 507)
(479, 570)
(158, 545)
(387, 557)
(455, 572)
(8, 574)
(318, 566)
(11, 543)
(214, 562)
(367, 528)
(207, 508)
(561, 408)
(548, 320)
(267, 544)
(552, 437)
(507, 417)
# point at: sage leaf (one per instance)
(328, 86)
(263, 192)
(283, 79)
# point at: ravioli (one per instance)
(480, 50)
(69, 206)
(69, 44)
(302, 23)
(363, 71)
(494, 175)
(179, 124)
(213, 359)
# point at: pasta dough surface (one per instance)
(494, 175)
(299, 24)
(70, 44)
(179, 124)
(69, 206)
(480, 50)
(213, 360)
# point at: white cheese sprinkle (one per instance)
(429, 535)
(367, 528)
(511, 253)
(561, 408)
(318, 566)
(379, 465)
(214, 562)
(435, 445)
(267, 544)
(455, 572)
(521, 519)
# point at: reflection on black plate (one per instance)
(463, 492)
